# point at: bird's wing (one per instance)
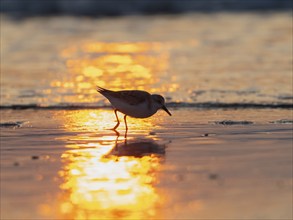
(132, 97)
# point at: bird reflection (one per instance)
(139, 147)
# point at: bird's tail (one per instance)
(101, 90)
(105, 92)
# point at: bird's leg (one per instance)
(125, 122)
(126, 129)
(116, 126)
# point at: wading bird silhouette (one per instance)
(133, 103)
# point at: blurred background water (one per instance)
(66, 164)
(193, 52)
(122, 7)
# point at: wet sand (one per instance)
(203, 162)
(197, 164)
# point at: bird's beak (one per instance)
(166, 110)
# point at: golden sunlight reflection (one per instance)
(105, 176)
(108, 187)
(116, 65)
(101, 120)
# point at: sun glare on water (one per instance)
(108, 187)
(95, 182)
(113, 65)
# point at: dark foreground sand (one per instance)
(58, 164)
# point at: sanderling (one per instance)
(134, 103)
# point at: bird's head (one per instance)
(159, 102)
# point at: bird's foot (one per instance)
(114, 129)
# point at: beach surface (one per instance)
(225, 154)
(197, 164)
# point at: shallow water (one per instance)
(212, 159)
(68, 165)
(190, 58)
